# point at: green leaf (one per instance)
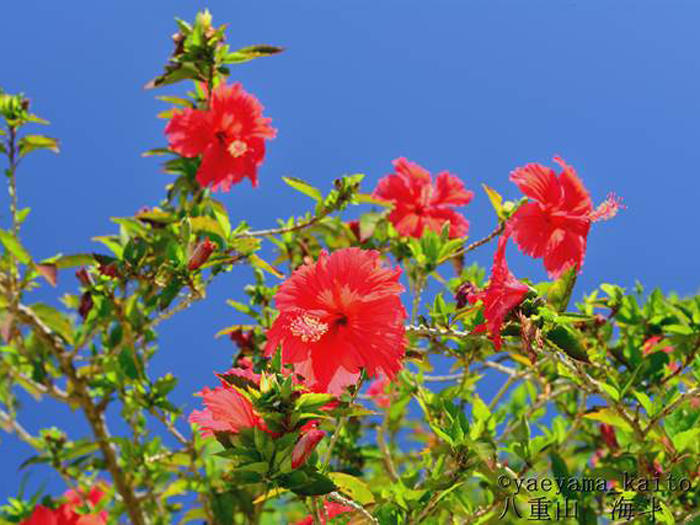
(251, 52)
(366, 198)
(304, 187)
(62, 262)
(169, 293)
(195, 514)
(646, 403)
(207, 225)
(688, 439)
(610, 390)
(316, 485)
(13, 246)
(496, 200)
(258, 262)
(312, 401)
(567, 339)
(128, 364)
(30, 143)
(178, 101)
(606, 415)
(559, 293)
(561, 471)
(55, 320)
(353, 487)
(221, 216)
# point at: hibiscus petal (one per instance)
(189, 132)
(531, 229)
(576, 199)
(564, 249)
(450, 190)
(537, 182)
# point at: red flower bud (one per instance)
(463, 293)
(85, 304)
(84, 277)
(607, 432)
(243, 340)
(109, 270)
(655, 469)
(305, 446)
(200, 254)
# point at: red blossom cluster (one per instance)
(342, 314)
(69, 512)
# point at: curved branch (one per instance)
(94, 415)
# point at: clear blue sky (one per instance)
(475, 87)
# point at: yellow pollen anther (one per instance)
(308, 328)
(237, 148)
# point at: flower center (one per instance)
(308, 328)
(237, 148)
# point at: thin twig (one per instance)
(279, 231)
(473, 246)
(427, 330)
(386, 453)
(339, 427)
(350, 503)
(7, 421)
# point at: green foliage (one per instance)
(629, 361)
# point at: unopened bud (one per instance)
(84, 277)
(200, 254)
(607, 432)
(242, 339)
(86, 304)
(305, 446)
(463, 293)
(109, 270)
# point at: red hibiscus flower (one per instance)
(230, 136)
(420, 204)
(338, 316)
(378, 392)
(67, 514)
(554, 225)
(226, 410)
(43, 516)
(330, 511)
(503, 293)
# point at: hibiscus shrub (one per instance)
(331, 410)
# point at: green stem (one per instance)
(340, 425)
